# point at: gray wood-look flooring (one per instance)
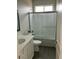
(45, 53)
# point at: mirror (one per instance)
(18, 22)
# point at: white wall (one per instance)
(23, 7)
(59, 30)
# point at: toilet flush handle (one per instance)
(33, 32)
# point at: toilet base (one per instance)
(36, 45)
(36, 48)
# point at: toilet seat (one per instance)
(37, 42)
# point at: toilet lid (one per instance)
(37, 41)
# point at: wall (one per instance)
(59, 29)
(23, 7)
(44, 2)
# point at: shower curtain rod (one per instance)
(43, 12)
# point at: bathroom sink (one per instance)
(20, 41)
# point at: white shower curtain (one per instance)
(43, 25)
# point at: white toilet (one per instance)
(36, 45)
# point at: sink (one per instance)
(20, 41)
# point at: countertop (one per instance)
(27, 39)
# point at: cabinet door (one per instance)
(31, 49)
(21, 56)
(28, 50)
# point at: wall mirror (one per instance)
(18, 22)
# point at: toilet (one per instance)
(36, 45)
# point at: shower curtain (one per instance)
(43, 25)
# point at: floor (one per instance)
(45, 53)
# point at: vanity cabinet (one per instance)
(28, 51)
